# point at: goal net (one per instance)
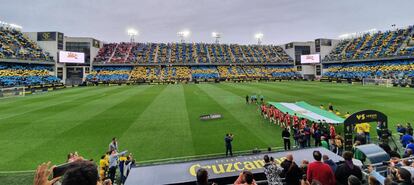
(12, 92)
(377, 81)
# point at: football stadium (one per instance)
(206, 92)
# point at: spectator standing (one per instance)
(202, 177)
(332, 132)
(291, 171)
(317, 137)
(122, 160)
(410, 146)
(324, 143)
(320, 171)
(113, 145)
(307, 131)
(227, 140)
(113, 163)
(347, 169)
(103, 167)
(286, 138)
(272, 172)
(405, 139)
(366, 128)
(401, 130)
(304, 166)
(329, 162)
(339, 144)
(129, 163)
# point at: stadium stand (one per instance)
(384, 69)
(15, 45)
(109, 74)
(190, 53)
(231, 72)
(204, 72)
(282, 71)
(26, 75)
(374, 45)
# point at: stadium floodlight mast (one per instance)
(183, 34)
(217, 37)
(132, 33)
(259, 37)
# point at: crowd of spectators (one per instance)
(26, 75)
(109, 74)
(374, 45)
(140, 73)
(112, 168)
(190, 53)
(15, 45)
(385, 69)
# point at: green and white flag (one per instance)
(305, 110)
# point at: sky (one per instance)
(280, 21)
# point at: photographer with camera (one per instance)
(227, 140)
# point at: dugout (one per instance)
(365, 116)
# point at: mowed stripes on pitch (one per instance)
(157, 122)
(46, 132)
(162, 128)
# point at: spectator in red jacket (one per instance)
(320, 171)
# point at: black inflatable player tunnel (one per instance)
(364, 116)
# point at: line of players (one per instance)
(282, 119)
(301, 132)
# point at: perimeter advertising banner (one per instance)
(217, 168)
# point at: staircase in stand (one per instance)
(113, 53)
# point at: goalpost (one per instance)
(12, 92)
(377, 81)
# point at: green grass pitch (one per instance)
(162, 121)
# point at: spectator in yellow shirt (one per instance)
(103, 166)
(366, 128)
(359, 128)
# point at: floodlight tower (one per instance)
(132, 33)
(216, 36)
(183, 34)
(259, 37)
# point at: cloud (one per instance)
(281, 21)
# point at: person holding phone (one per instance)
(77, 172)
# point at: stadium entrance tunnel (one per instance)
(365, 116)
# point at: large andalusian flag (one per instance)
(305, 110)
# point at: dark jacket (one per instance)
(343, 171)
(291, 172)
(331, 164)
(285, 133)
